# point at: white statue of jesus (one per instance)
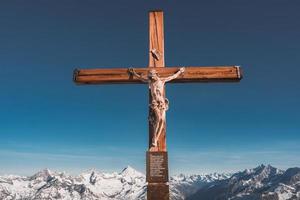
(159, 104)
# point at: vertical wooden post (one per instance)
(156, 60)
(158, 187)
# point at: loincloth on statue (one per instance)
(158, 104)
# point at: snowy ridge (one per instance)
(92, 184)
(182, 186)
(260, 183)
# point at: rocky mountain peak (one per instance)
(42, 175)
(130, 171)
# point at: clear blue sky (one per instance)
(48, 121)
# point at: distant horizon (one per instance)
(128, 166)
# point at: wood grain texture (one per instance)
(156, 39)
(191, 74)
(158, 191)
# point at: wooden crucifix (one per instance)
(156, 75)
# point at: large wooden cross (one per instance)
(157, 161)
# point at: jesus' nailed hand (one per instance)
(159, 104)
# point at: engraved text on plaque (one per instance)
(157, 167)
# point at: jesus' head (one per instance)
(152, 74)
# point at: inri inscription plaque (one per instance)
(157, 167)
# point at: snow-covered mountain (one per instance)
(263, 182)
(94, 185)
(90, 185)
(182, 186)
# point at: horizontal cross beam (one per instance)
(191, 74)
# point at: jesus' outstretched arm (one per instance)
(174, 76)
(140, 77)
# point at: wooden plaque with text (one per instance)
(157, 167)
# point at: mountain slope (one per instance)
(261, 183)
(91, 185)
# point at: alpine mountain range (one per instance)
(260, 183)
